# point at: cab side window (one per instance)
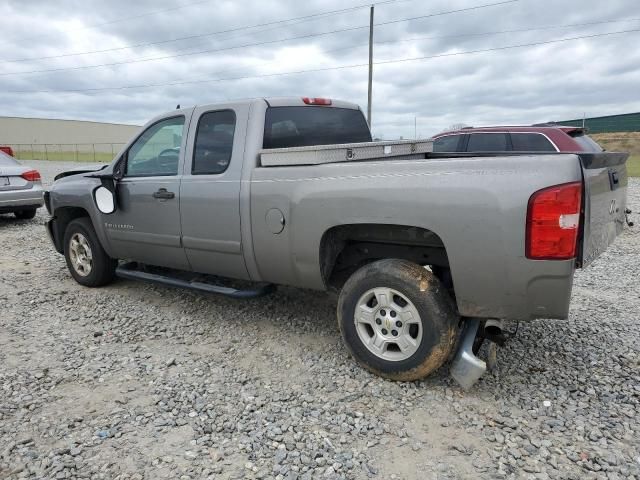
(487, 142)
(448, 143)
(531, 142)
(214, 142)
(156, 152)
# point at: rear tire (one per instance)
(397, 319)
(87, 261)
(25, 214)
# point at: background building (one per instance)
(626, 122)
(52, 139)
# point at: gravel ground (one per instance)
(137, 381)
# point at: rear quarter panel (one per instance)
(477, 205)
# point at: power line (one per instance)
(299, 37)
(324, 69)
(209, 34)
(481, 34)
(434, 37)
(117, 20)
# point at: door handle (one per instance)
(163, 194)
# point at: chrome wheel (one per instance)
(388, 324)
(80, 254)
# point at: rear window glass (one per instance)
(7, 160)
(587, 143)
(487, 142)
(531, 142)
(304, 126)
(448, 143)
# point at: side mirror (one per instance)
(104, 199)
(118, 169)
(104, 196)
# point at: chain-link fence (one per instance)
(77, 152)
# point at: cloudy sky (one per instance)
(78, 59)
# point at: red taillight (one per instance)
(31, 176)
(316, 101)
(7, 150)
(553, 221)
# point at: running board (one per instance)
(129, 271)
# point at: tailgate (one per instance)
(605, 199)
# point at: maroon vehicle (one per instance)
(536, 138)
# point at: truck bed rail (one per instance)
(347, 152)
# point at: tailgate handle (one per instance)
(614, 180)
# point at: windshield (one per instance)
(304, 126)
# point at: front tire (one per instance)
(25, 214)
(87, 261)
(397, 319)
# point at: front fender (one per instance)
(72, 197)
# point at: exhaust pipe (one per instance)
(493, 327)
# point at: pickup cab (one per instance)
(429, 251)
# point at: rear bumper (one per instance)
(15, 200)
(528, 289)
(18, 207)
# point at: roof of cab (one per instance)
(299, 102)
(285, 102)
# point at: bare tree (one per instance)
(456, 126)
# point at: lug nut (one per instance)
(399, 324)
(383, 313)
(378, 321)
(392, 313)
(394, 333)
(384, 331)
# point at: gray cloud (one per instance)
(521, 85)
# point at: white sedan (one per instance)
(20, 188)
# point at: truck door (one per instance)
(210, 191)
(146, 225)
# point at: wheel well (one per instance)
(64, 216)
(346, 248)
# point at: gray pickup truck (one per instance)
(429, 252)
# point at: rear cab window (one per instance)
(286, 127)
(587, 143)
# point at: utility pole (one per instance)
(370, 66)
(415, 127)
